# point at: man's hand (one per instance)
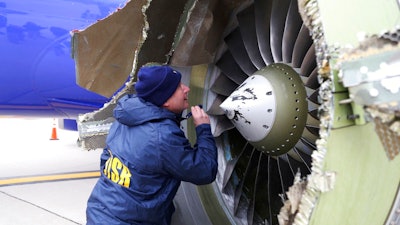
(199, 116)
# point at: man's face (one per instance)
(179, 100)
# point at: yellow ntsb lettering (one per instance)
(117, 172)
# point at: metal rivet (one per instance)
(364, 69)
(373, 92)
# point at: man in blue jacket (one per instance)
(148, 155)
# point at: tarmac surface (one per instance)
(43, 180)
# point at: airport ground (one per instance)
(43, 181)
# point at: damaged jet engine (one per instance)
(303, 98)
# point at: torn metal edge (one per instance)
(319, 180)
(88, 122)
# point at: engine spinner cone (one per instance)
(269, 109)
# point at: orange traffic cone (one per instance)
(54, 132)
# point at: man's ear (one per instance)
(166, 104)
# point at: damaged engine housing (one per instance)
(334, 154)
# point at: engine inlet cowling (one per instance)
(269, 109)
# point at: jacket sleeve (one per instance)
(197, 165)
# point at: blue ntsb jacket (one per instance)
(147, 157)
